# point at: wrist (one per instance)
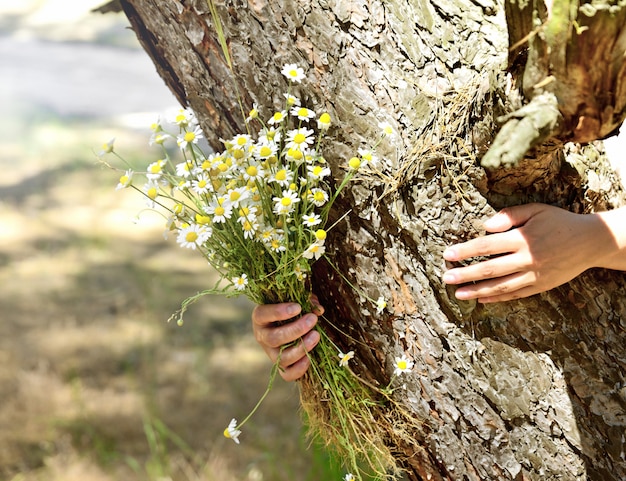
(610, 238)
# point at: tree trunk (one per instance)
(529, 389)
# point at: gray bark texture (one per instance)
(533, 389)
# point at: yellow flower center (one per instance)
(222, 167)
(155, 169)
(281, 174)
(325, 118)
(318, 196)
(234, 195)
(189, 137)
(317, 170)
(220, 210)
(247, 225)
(354, 163)
(238, 154)
(402, 365)
(299, 138)
(278, 116)
(242, 141)
(152, 193)
(226, 433)
(191, 236)
(286, 201)
(320, 234)
(202, 184)
(124, 180)
(295, 153)
(265, 151)
(252, 171)
(303, 112)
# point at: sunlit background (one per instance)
(94, 383)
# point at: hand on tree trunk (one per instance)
(533, 248)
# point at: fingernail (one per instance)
(462, 295)
(449, 254)
(310, 320)
(293, 309)
(449, 277)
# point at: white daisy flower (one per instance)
(311, 220)
(284, 205)
(220, 210)
(317, 172)
(264, 150)
(291, 100)
(231, 432)
(185, 118)
(302, 113)
(151, 190)
(381, 304)
(283, 177)
(250, 228)
(184, 169)
(345, 358)
(201, 184)
(107, 148)
(189, 137)
(269, 135)
(318, 196)
(299, 138)
(277, 118)
(403, 364)
(349, 477)
(158, 138)
(240, 282)
(315, 250)
(253, 171)
(125, 180)
(293, 72)
(386, 129)
(323, 123)
(368, 157)
(237, 195)
(277, 243)
(155, 170)
(241, 141)
(254, 113)
(193, 236)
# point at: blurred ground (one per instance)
(94, 383)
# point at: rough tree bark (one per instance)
(529, 389)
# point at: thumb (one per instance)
(513, 216)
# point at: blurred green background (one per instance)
(94, 383)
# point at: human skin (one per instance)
(293, 359)
(532, 248)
